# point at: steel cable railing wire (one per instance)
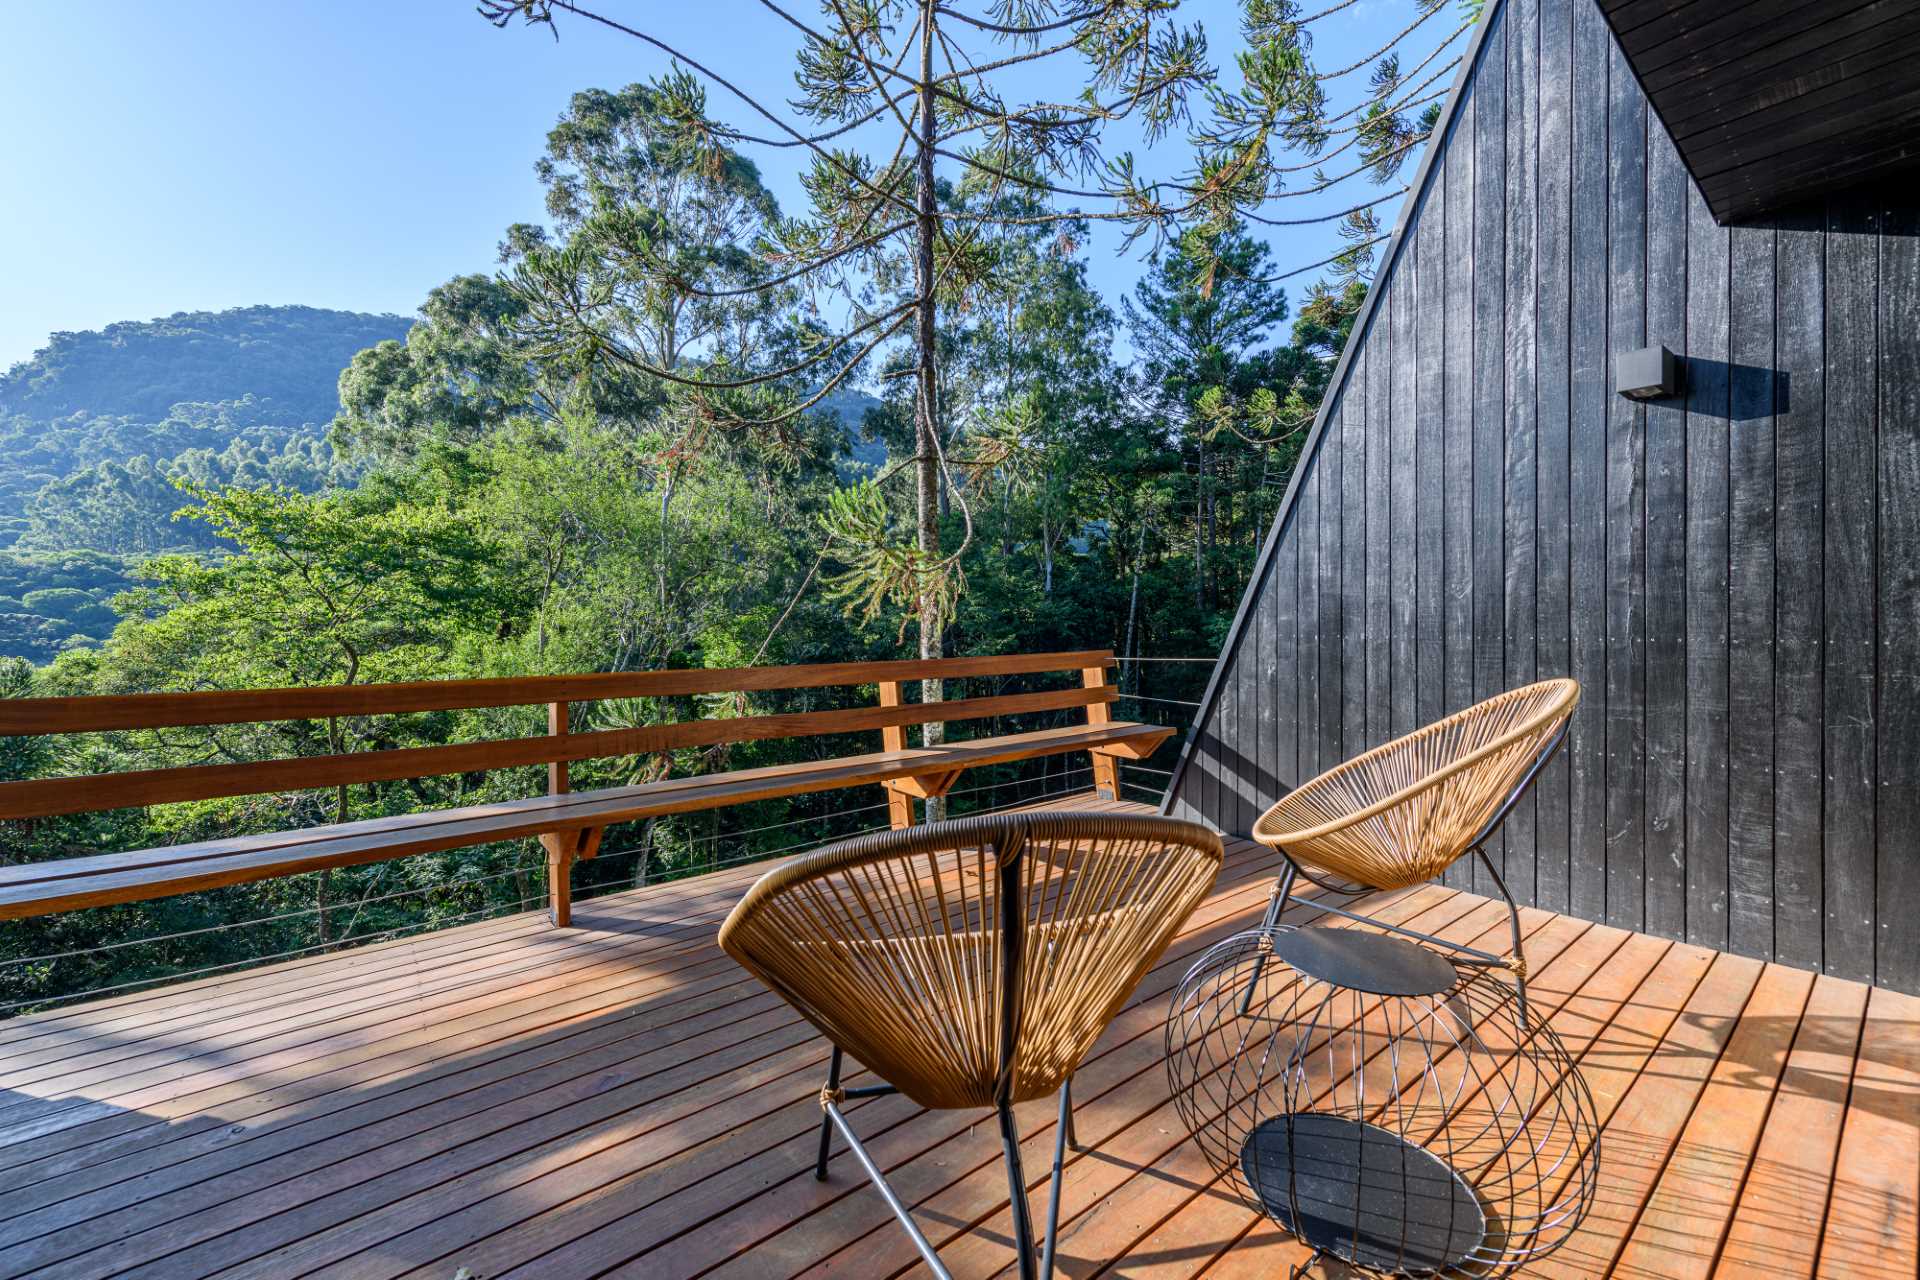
(1170, 702)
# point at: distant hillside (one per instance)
(851, 407)
(288, 358)
(97, 426)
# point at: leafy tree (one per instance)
(877, 236)
(461, 372)
(1204, 320)
(335, 589)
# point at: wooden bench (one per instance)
(568, 823)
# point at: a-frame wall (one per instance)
(1733, 575)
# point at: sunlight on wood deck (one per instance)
(619, 1099)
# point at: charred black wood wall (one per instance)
(1732, 575)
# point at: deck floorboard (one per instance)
(620, 1100)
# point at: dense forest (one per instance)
(487, 499)
(99, 430)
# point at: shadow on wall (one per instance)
(1734, 392)
(1256, 785)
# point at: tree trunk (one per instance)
(1133, 604)
(1046, 553)
(660, 563)
(1200, 531)
(927, 442)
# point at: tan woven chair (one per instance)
(1406, 811)
(972, 963)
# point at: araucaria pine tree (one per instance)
(926, 143)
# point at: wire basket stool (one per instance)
(1388, 1107)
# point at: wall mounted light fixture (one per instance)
(1651, 373)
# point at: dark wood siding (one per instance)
(1733, 575)
(1774, 101)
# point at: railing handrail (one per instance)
(47, 797)
(25, 717)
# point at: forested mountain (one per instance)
(287, 359)
(97, 427)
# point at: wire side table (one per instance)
(1387, 1107)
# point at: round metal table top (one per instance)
(1369, 962)
(1363, 1193)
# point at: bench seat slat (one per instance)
(102, 879)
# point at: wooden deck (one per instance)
(509, 1100)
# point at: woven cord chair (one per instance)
(972, 964)
(1404, 812)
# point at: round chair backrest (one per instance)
(1404, 812)
(974, 962)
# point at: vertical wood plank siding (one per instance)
(1732, 574)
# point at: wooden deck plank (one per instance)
(226, 1068)
(620, 1100)
(1640, 1136)
(521, 1029)
(1869, 1233)
(1776, 1228)
(141, 1057)
(138, 1018)
(1681, 1227)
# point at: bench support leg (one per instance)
(899, 808)
(559, 879)
(927, 786)
(1106, 775)
(564, 848)
(1106, 770)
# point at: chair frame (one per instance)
(1011, 902)
(1012, 956)
(1474, 956)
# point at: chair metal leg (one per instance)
(1518, 961)
(1276, 904)
(920, 1240)
(826, 1120)
(1017, 1194)
(1066, 1111)
(1062, 1135)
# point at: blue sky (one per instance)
(355, 153)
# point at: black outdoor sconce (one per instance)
(1651, 373)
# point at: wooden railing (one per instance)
(559, 747)
(569, 824)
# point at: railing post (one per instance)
(559, 844)
(894, 738)
(1106, 770)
